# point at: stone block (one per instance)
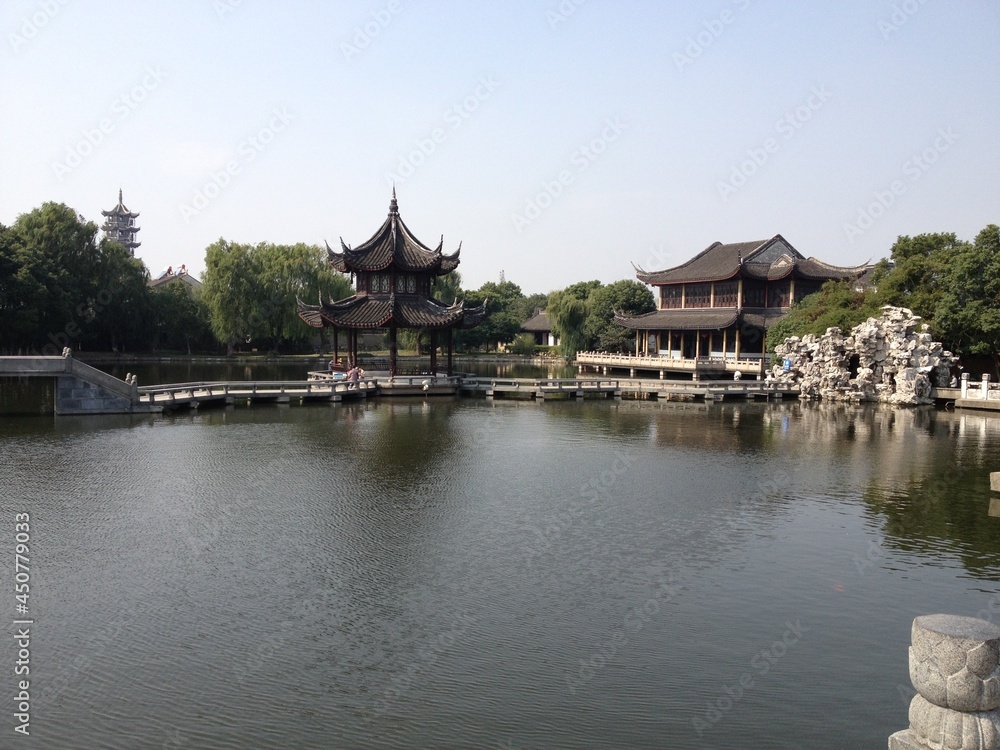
(953, 662)
(995, 481)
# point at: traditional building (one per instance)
(539, 326)
(119, 225)
(179, 275)
(716, 308)
(393, 272)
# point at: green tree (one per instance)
(251, 290)
(967, 314)
(231, 290)
(181, 318)
(502, 323)
(626, 296)
(122, 310)
(447, 288)
(921, 268)
(54, 287)
(568, 316)
(837, 304)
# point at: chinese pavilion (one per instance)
(393, 272)
(120, 225)
(719, 304)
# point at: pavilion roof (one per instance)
(700, 319)
(770, 259)
(393, 245)
(405, 310)
(120, 209)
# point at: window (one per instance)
(411, 284)
(670, 297)
(778, 294)
(698, 295)
(754, 293)
(726, 294)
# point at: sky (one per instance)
(558, 140)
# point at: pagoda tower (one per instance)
(393, 272)
(119, 225)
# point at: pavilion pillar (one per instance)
(451, 339)
(335, 351)
(392, 349)
(737, 343)
(434, 350)
(724, 344)
(638, 348)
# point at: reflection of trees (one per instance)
(939, 499)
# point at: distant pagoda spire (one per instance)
(119, 225)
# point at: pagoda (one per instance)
(120, 227)
(394, 272)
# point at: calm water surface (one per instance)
(473, 574)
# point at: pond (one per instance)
(467, 573)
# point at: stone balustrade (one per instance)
(955, 669)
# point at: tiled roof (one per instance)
(537, 322)
(120, 209)
(760, 259)
(406, 311)
(706, 319)
(703, 319)
(393, 245)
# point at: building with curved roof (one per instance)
(393, 273)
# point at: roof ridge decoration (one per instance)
(394, 245)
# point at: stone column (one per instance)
(965, 385)
(986, 386)
(954, 668)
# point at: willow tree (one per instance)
(251, 290)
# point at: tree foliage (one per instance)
(626, 296)
(251, 290)
(60, 286)
(568, 316)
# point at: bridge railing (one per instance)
(259, 387)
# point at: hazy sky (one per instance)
(558, 141)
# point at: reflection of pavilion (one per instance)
(394, 273)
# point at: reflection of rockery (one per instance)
(883, 359)
(953, 666)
